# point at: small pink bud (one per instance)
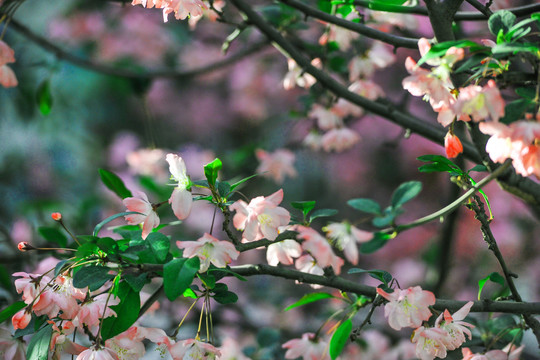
(452, 145)
(56, 216)
(21, 319)
(24, 246)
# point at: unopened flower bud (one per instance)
(24, 246)
(56, 216)
(452, 145)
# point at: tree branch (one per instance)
(396, 41)
(478, 6)
(459, 16)
(346, 285)
(113, 71)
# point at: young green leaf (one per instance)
(211, 171)
(366, 205)
(159, 244)
(494, 277)
(322, 213)
(114, 183)
(501, 20)
(304, 206)
(383, 276)
(240, 182)
(406, 192)
(339, 339)
(378, 241)
(44, 98)
(309, 298)
(92, 276)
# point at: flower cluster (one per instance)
(180, 8)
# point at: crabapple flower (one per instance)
(276, 165)
(181, 8)
(7, 76)
(319, 248)
(61, 295)
(452, 145)
(307, 264)
(194, 349)
(346, 237)
(209, 250)
(261, 218)
(180, 200)
(479, 103)
(407, 308)
(21, 319)
(30, 285)
(378, 56)
(343, 37)
(97, 353)
(283, 252)
(297, 75)
(10, 347)
(429, 343)
(455, 327)
(308, 348)
(339, 139)
(509, 352)
(93, 310)
(367, 89)
(148, 217)
(326, 118)
(313, 140)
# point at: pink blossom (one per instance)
(180, 200)
(21, 319)
(181, 8)
(209, 250)
(367, 89)
(60, 343)
(308, 348)
(344, 108)
(283, 252)
(231, 350)
(194, 349)
(378, 57)
(346, 238)
(479, 103)
(455, 327)
(343, 37)
(92, 310)
(509, 352)
(319, 248)
(128, 344)
(297, 75)
(313, 141)
(407, 308)
(339, 139)
(261, 218)
(10, 347)
(147, 162)
(97, 353)
(277, 164)
(30, 285)
(60, 296)
(326, 118)
(7, 55)
(7, 77)
(430, 343)
(308, 264)
(148, 217)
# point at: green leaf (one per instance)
(11, 310)
(494, 277)
(309, 298)
(159, 244)
(228, 271)
(366, 205)
(240, 182)
(178, 274)
(211, 171)
(107, 245)
(53, 235)
(148, 183)
(339, 339)
(406, 192)
(304, 206)
(114, 183)
(38, 348)
(383, 276)
(501, 20)
(136, 282)
(127, 312)
(378, 241)
(515, 110)
(44, 98)
(189, 293)
(223, 188)
(111, 218)
(479, 168)
(388, 6)
(513, 48)
(440, 49)
(225, 297)
(322, 213)
(92, 276)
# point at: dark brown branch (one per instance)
(396, 41)
(113, 71)
(478, 6)
(460, 15)
(478, 207)
(350, 286)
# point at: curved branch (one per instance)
(113, 71)
(460, 15)
(382, 108)
(396, 41)
(346, 285)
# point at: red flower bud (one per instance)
(24, 246)
(452, 145)
(56, 216)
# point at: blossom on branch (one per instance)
(209, 250)
(283, 252)
(181, 8)
(308, 348)
(346, 238)
(277, 164)
(261, 218)
(407, 308)
(180, 200)
(319, 248)
(455, 327)
(7, 76)
(148, 217)
(452, 145)
(194, 349)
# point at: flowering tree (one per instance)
(476, 66)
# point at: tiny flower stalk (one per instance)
(56, 216)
